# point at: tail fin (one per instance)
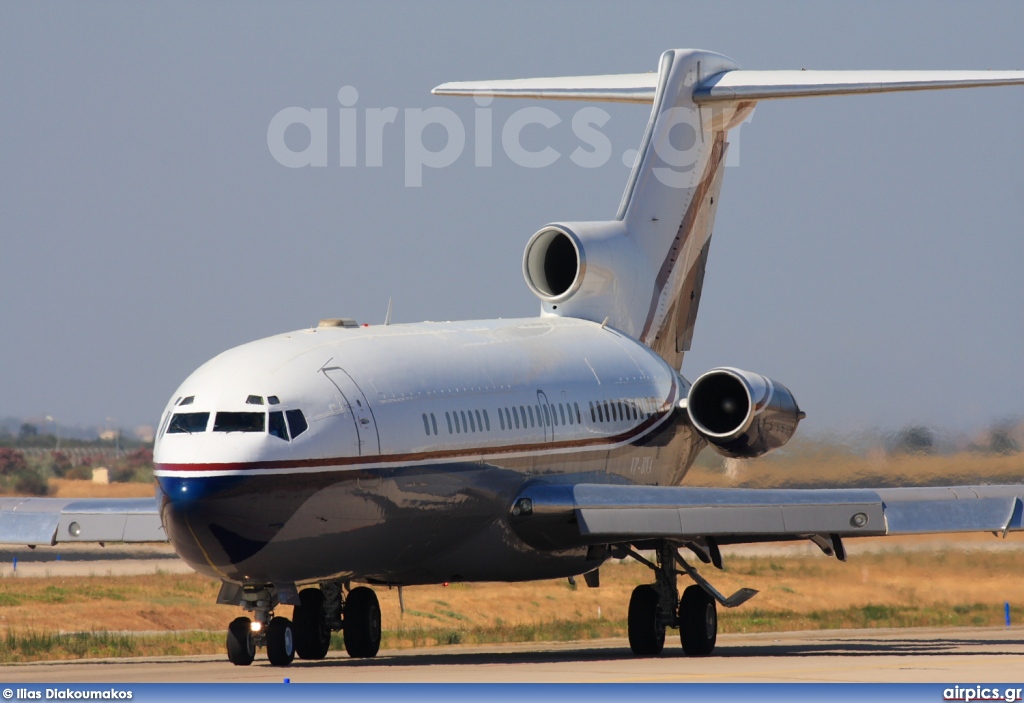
(644, 270)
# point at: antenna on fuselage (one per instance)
(387, 318)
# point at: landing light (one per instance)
(256, 626)
(523, 506)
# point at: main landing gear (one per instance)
(318, 613)
(655, 607)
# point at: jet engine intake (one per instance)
(742, 414)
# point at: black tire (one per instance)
(241, 646)
(698, 622)
(362, 623)
(280, 642)
(646, 629)
(312, 636)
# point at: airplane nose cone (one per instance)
(212, 523)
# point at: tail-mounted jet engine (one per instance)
(742, 414)
(585, 270)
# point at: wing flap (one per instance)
(54, 520)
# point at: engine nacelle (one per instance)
(586, 270)
(742, 414)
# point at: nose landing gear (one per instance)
(318, 612)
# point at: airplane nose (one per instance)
(206, 526)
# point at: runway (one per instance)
(983, 655)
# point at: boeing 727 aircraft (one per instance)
(293, 467)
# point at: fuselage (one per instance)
(393, 453)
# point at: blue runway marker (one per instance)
(1007, 609)
(15, 564)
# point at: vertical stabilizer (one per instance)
(669, 204)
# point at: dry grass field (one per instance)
(903, 587)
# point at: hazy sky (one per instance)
(868, 251)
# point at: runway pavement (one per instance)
(985, 655)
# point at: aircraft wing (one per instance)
(732, 86)
(565, 515)
(33, 521)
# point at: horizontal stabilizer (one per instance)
(621, 88)
(732, 86)
(33, 521)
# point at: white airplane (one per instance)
(511, 450)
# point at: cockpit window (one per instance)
(240, 422)
(277, 427)
(188, 423)
(254, 400)
(296, 422)
(273, 399)
(187, 401)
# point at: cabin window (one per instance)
(522, 414)
(426, 425)
(479, 419)
(458, 428)
(276, 426)
(433, 422)
(487, 420)
(501, 419)
(579, 418)
(600, 414)
(636, 410)
(607, 413)
(593, 415)
(189, 423)
(561, 412)
(547, 415)
(622, 411)
(240, 422)
(516, 416)
(296, 422)
(529, 411)
(472, 425)
(449, 417)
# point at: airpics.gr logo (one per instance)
(594, 149)
(982, 693)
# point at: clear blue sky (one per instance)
(868, 251)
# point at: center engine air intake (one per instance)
(553, 264)
(742, 414)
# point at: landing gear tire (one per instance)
(646, 629)
(241, 646)
(698, 622)
(362, 623)
(280, 642)
(312, 636)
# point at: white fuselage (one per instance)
(399, 424)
